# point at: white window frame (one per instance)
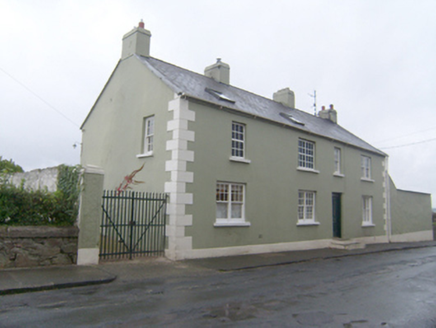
(238, 140)
(148, 137)
(338, 162)
(306, 208)
(367, 211)
(306, 155)
(229, 194)
(365, 164)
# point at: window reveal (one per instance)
(366, 167)
(306, 206)
(230, 198)
(306, 154)
(238, 140)
(148, 135)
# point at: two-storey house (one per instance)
(245, 174)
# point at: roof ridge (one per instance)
(229, 85)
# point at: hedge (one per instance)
(21, 207)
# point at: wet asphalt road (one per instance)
(393, 289)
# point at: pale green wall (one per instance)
(410, 211)
(272, 183)
(112, 135)
(90, 210)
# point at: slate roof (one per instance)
(195, 85)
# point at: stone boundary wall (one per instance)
(37, 246)
(37, 179)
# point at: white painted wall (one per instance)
(37, 179)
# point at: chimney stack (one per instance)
(137, 41)
(219, 71)
(285, 96)
(329, 114)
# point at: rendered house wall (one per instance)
(113, 133)
(272, 183)
(192, 147)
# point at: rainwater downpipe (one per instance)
(388, 201)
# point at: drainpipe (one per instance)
(388, 201)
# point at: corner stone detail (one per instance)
(178, 244)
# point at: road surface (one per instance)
(391, 289)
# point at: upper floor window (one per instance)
(238, 140)
(367, 211)
(306, 154)
(147, 145)
(338, 157)
(366, 167)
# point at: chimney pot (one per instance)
(137, 41)
(331, 114)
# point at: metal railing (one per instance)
(133, 224)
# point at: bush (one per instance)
(40, 207)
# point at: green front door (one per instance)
(336, 213)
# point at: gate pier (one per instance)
(89, 215)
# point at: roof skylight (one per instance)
(219, 95)
(291, 118)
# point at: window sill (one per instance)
(366, 180)
(240, 160)
(304, 169)
(232, 224)
(368, 225)
(149, 154)
(338, 175)
(302, 224)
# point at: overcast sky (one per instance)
(375, 60)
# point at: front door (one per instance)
(336, 213)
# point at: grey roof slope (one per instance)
(194, 85)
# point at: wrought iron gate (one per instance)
(133, 223)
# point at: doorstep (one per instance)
(347, 244)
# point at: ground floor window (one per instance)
(367, 211)
(306, 207)
(230, 202)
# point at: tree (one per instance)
(8, 166)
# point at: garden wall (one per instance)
(38, 179)
(37, 246)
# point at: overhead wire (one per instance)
(74, 123)
(405, 135)
(40, 98)
(409, 144)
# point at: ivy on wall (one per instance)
(19, 206)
